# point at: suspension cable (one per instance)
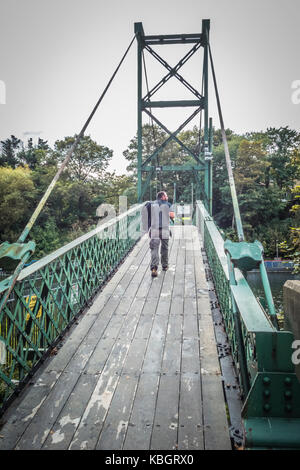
(235, 203)
(42, 202)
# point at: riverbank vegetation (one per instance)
(266, 168)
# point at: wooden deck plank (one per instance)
(62, 432)
(41, 424)
(114, 430)
(190, 426)
(31, 400)
(92, 420)
(155, 349)
(165, 426)
(171, 361)
(190, 360)
(135, 357)
(216, 434)
(139, 431)
(95, 414)
(189, 277)
(146, 319)
(175, 327)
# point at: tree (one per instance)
(89, 161)
(291, 245)
(250, 165)
(282, 146)
(16, 200)
(32, 155)
(9, 152)
(114, 186)
(46, 237)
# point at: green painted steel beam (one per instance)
(173, 39)
(249, 308)
(146, 184)
(271, 412)
(207, 172)
(145, 104)
(172, 71)
(172, 104)
(248, 256)
(272, 433)
(174, 168)
(139, 31)
(274, 351)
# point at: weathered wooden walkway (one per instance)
(140, 370)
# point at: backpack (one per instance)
(147, 216)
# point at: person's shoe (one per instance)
(165, 268)
(154, 272)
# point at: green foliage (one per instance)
(266, 168)
(291, 246)
(46, 237)
(9, 150)
(26, 172)
(16, 201)
(88, 161)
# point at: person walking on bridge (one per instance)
(159, 215)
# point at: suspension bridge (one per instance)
(96, 354)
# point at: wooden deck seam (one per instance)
(145, 351)
(80, 373)
(138, 376)
(145, 266)
(162, 355)
(198, 325)
(146, 348)
(181, 363)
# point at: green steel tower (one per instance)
(202, 158)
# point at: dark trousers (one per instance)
(164, 252)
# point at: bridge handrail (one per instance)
(49, 295)
(254, 322)
(262, 354)
(69, 246)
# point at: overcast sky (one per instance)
(57, 56)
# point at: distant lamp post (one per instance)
(276, 247)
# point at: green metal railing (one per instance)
(50, 293)
(262, 354)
